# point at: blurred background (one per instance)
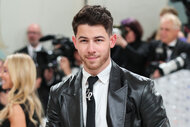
(55, 17)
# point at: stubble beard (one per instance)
(95, 65)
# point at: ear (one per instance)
(74, 41)
(113, 40)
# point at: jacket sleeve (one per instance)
(152, 110)
(53, 110)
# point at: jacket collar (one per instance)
(117, 99)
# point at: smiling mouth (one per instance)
(92, 58)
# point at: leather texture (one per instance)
(132, 102)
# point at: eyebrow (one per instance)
(100, 37)
(82, 37)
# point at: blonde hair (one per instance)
(172, 18)
(22, 71)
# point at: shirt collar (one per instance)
(173, 43)
(103, 75)
(38, 48)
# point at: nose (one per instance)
(91, 47)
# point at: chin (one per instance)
(92, 66)
(5, 86)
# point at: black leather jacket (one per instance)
(132, 102)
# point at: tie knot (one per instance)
(92, 80)
(171, 47)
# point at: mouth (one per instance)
(91, 58)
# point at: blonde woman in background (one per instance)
(22, 108)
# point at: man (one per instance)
(102, 94)
(169, 47)
(33, 35)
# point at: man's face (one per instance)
(33, 35)
(93, 44)
(168, 32)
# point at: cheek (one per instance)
(10, 84)
(81, 53)
(130, 35)
(9, 81)
(133, 35)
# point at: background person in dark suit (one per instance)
(44, 74)
(168, 47)
(33, 35)
(102, 94)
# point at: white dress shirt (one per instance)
(31, 49)
(169, 51)
(100, 93)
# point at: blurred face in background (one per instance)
(6, 79)
(168, 32)
(130, 35)
(34, 34)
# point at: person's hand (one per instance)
(65, 65)
(121, 41)
(38, 82)
(4, 98)
(156, 74)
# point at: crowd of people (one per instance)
(27, 72)
(150, 58)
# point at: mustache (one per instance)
(91, 55)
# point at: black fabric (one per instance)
(90, 121)
(29, 123)
(157, 53)
(132, 102)
(133, 57)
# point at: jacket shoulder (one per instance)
(134, 79)
(22, 50)
(63, 85)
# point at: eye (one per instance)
(5, 70)
(83, 41)
(98, 40)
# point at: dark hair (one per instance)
(134, 25)
(93, 15)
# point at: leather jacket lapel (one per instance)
(117, 98)
(73, 98)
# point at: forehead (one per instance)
(33, 28)
(167, 24)
(91, 31)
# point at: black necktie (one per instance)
(171, 47)
(90, 121)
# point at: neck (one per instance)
(34, 46)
